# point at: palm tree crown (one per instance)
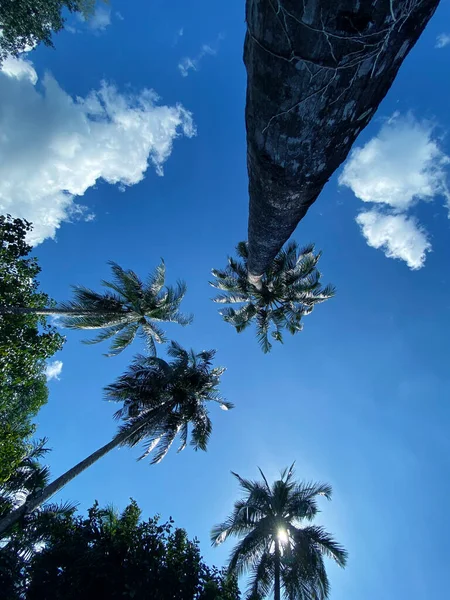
(288, 290)
(277, 545)
(161, 399)
(131, 307)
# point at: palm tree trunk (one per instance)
(277, 586)
(19, 310)
(317, 71)
(36, 500)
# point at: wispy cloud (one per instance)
(101, 19)
(97, 22)
(53, 370)
(177, 37)
(402, 165)
(55, 147)
(193, 63)
(442, 40)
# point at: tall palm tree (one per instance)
(278, 545)
(316, 74)
(288, 291)
(160, 402)
(30, 477)
(128, 308)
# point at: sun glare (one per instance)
(282, 536)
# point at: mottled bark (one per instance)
(317, 71)
(36, 500)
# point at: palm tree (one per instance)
(316, 74)
(130, 307)
(278, 545)
(288, 291)
(30, 477)
(160, 402)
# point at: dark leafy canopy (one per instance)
(164, 400)
(288, 291)
(25, 23)
(280, 514)
(111, 555)
(26, 341)
(130, 307)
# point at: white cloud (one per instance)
(187, 64)
(53, 370)
(54, 147)
(100, 19)
(397, 235)
(442, 40)
(119, 15)
(398, 167)
(19, 68)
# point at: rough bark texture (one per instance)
(37, 500)
(317, 71)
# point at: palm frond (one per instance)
(289, 290)
(261, 581)
(123, 339)
(201, 430)
(155, 281)
(324, 543)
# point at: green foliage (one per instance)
(161, 400)
(289, 290)
(26, 341)
(130, 307)
(25, 23)
(272, 523)
(112, 555)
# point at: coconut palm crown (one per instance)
(130, 307)
(287, 292)
(168, 400)
(277, 545)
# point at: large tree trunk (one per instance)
(36, 500)
(317, 71)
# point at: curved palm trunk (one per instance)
(38, 499)
(277, 585)
(317, 71)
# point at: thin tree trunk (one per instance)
(36, 500)
(317, 71)
(19, 310)
(277, 585)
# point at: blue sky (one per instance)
(360, 398)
